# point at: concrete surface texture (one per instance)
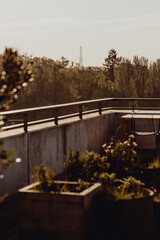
(49, 143)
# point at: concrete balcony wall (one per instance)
(49, 144)
(90, 134)
(16, 176)
(46, 146)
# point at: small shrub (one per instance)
(87, 166)
(154, 164)
(45, 176)
(121, 155)
(82, 185)
(125, 188)
(74, 166)
(14, 77)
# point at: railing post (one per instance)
(133, 121)
(80, 112)
(100, 108)
(56, 116)
(133, 107)
(26, 122)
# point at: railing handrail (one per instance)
(58, 106)
(80, 104)
(34, 109)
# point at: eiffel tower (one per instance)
(80, 59)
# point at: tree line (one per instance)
(63, 81)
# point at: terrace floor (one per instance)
(9, 228)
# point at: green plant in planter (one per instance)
(125, 205)
(154, 164)
(150, 173)
(130, 188)
(74, 165)
(125, 188)
(108, 182)
(43, 175)
(82, 185)
(122, 155)
(157, 197)
(46, 177)
(87, 166)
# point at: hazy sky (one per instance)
(56, 28)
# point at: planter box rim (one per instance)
(29, 187)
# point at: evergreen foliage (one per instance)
(87, 166)
(14, 76)
(59, 82)
(111, 63)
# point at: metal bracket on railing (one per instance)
(56, 116)
(80, 112)
(25, 122)
(100, 108)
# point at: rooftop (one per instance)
(106, 116)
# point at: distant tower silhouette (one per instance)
(81, 59)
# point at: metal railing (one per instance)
(22, 115)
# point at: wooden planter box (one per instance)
(156, 220)
(55, 215)
(123, 219)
